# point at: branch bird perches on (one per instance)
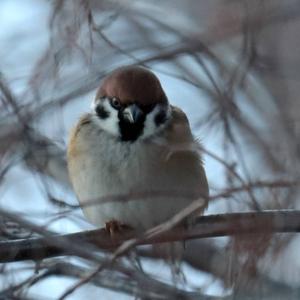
(50, 244)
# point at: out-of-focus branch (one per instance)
(273, 15)
(38, 152)
(71, 245)
(151, 289)
(217, 261)
(276, 13)
(206, 226)
(155, 289)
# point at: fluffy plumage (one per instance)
(143, 181)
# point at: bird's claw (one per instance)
(114, 227)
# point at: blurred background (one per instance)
(231, 66)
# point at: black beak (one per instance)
(133, 113)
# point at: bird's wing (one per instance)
(187, 149)
(76, 145)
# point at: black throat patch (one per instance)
(131, 131)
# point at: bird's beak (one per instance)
(132, 113)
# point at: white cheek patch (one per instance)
(111, 123)
(150, 127)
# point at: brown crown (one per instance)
(133, 84)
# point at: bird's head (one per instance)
(131, 104)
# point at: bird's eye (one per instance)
(115, 102)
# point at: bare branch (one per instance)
(206, 226)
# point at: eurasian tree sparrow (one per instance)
(132, 159)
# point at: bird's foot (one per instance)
(114, 227)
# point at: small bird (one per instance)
(133, 161)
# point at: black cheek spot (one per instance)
(147, 108)
(160, 118)
(101, 112)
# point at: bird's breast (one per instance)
(103, 169)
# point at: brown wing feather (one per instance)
(83, 121)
